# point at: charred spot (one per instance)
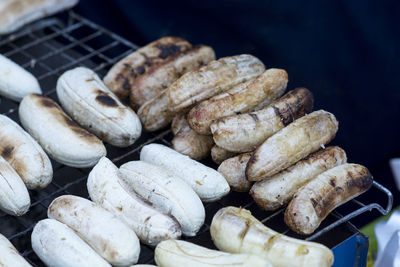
(126, 85)
(168, 50)
(285, 114)
(360, 183)
(332, 182)
(46, 102)
(314, 202)
(7, 152)
(140, 69)
(106, 100)
(119, 77)
(254, 117)
(76, 128)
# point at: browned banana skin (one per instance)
(245, 132)
(294, 142)
(233, 170)
(267, 86)
(192, 144)
(216, 77)
(277, 190)
(315, 200)
(124, 73)
(162, 74)
(218, 154)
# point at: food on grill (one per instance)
(16, 13)
(9, 255)
(278, 190)
(122, 76)
(108, 236)
(234, 171)
(61, 138)
(235, 230)
(240, 99)
(162, 74)
(167, 192)
(315, 200)
(16, 82)
(24, 154)
(190, 143)
(216, 77)
(294, 142)
(14, 197)
(172, 253)
(206, 182)
(89, 102)
(218, 154)
(59, 246)
(106, 188)
(243, 133)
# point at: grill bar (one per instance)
(51, 46)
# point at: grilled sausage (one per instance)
(278, 190)
(124, 73)
(266, 87)
(243, 133)
(180, 253)
(61, 138)
(162, 74)
(15, 82)
(9, 255)
(24, 154)
(235, 230)
(192, 144)
(218, 154)
(167, 192)
(206, 182)
(216, 77)
(315, 200)
(292, 143)
(59, 246)
(108, 236)
(89, 102)
(234, 171)
(106, 188)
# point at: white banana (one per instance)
(15, 82)
(14, 197)
(206, 182)
(58, 134)
(9, 255)
(88, 101)
(167, 192)
(106, 188)
(173, 253)
(106, 234)
(59, 246)
(24, 154)
(235, 230)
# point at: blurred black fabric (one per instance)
(346, 52)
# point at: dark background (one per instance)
(346, 52)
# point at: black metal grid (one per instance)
(52, 46)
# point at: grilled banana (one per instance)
(167, 192)
(59, 246)
(240, 99)
(173, 253)
(218, 154)
(243, 133)
(234, 171)
(235, 230)
(15, 82)
(107, 235)
(292, 143)
(9, 255)
(214, 78)
(206, 182)
(24, 154)
(106, 188)
(89, 102)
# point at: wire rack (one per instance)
(52, 46)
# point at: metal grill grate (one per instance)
(52, 46)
